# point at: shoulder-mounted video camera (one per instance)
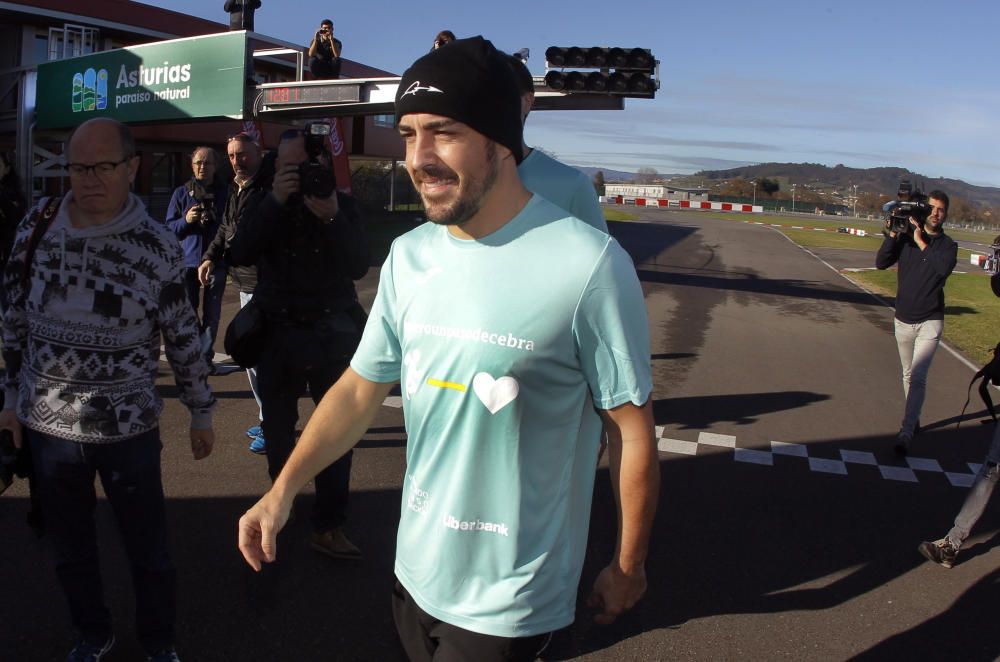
(316, 178)
(910, 202)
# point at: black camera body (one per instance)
(910, 203)
(316, 178)
(204, 197)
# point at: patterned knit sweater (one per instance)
(82, 346)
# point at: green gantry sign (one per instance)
(192, 78)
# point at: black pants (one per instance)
(300, 355)
(427, 639)
(211, 301)
(324, 69)
(130, 473)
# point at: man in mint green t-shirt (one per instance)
(543, 175)
(515, 331)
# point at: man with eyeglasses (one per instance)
(324, 52)
(251, 181)
(86, 301)
(194, 215)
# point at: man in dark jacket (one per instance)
(253, 173)
(194, 216)
(308, 251)
(324, 52)
(926, 257)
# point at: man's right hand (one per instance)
(258, 530)
(204, 271)
(193, 215)
(286, 182)
(8, 421)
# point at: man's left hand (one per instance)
(202, 442)
(615, 591)
(322, 208)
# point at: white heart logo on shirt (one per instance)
(495, 394)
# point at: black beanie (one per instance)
(470, 81)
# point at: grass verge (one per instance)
(618, 215)
(971, 314)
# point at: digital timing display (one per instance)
(312, 94)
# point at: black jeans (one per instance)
(324, 69)
(130, 474)
(300, 355)
(211, 305)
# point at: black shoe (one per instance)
(902, 446)
(89, 652)
(335, 544)
(940, 551)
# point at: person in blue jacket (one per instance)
(193, 215)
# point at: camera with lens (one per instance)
(316, 178)
(910, 203)
(205, 198)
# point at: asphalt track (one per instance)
(787, 528)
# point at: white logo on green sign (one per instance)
(90, 90)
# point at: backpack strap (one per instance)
(41, 220)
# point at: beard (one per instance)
(470, 196)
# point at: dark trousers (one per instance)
(211, 300)
(313, 355)
(130, 474)
(427, 639)
(324, 69)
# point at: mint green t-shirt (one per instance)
(504, 346)
(565, 186)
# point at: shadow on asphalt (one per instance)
(645, 241)
(753, 284)
(777, 539)
(957, 634)
(673, 356)
(700, 413)
(784, 539)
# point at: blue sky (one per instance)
(866, 84)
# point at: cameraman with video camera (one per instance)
(926, 257)
(309, 245)
(194, 214)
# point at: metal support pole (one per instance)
(24, 140)
(392, 187)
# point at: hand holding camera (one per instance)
(194, 215)
(322, 208)
(286, 182)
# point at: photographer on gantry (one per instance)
(926, 257)
(324, 52)
(309, 245)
